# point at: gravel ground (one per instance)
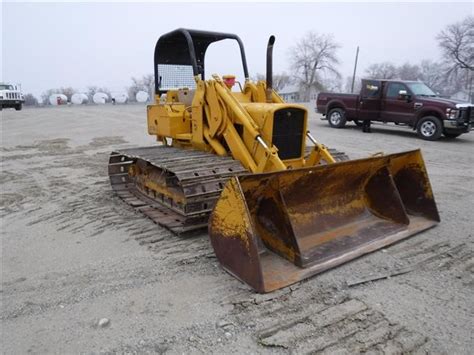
(83, 272)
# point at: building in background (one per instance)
(290, 93)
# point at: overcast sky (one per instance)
(48, 45)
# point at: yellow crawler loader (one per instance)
(233, 157)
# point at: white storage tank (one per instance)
(58, 99)
(142, 96)
(100, 98)
(79, 99)
(120, 97)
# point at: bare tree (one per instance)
(331, 83)
(408, 71)
(385, 70)
(312, 56)
(457, 43)
(348, 84)
(258, 77)
(92, 90)
(145, 83)
(432, 74)
(68, 91)
(46, 94)
(133, 89)
(279, 80)
(30, 100)
(148, 81)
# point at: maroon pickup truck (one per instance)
(402, 102)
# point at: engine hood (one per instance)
(442, 102)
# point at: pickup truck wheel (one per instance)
(18, 107)
(452, 135)
(430, 128)
(337, 118)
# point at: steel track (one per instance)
(199, 176)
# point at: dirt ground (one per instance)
(73, 254)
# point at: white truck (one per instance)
(11, 96)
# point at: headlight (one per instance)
(452, 113)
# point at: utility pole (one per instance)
(471, 98)
(355, 68)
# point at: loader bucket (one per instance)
(274, 229)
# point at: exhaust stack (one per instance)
(269, 89)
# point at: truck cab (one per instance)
(11, 97)
(411, 103)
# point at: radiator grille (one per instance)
(12, 95)
(288, 135)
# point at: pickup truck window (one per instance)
(420, 89)
(370, 89)
(6, 87)
(393, 90)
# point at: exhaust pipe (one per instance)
(269, 90)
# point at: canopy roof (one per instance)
(188, 47)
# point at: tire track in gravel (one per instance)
(300, 320)
(73, 192)
(307, 318)
(441, 256)
(76, 286)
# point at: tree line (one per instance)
(144, 83)
(314, 61)
(451, 73)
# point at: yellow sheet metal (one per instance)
(271, 230)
